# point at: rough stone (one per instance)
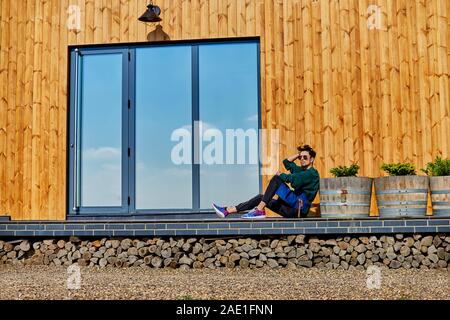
(301, 239)
(305, 263)
(234, 257)
(185, 260)
(244, 263)
(426, 241)
(272, 263)
(156, 262)
(254, 252)
(433, 257)
(405, 251)
(334, 258)
(361, 258)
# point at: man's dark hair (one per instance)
(308, 149)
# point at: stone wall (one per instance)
(399, 251)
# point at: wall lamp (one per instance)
(151, 14)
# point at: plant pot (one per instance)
(402, 196)
(440, 195)
(345, 197)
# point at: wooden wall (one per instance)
(353, 93)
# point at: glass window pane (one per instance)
(163, 105)
(101, 130)
(228, 101)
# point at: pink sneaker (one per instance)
(255, 214)
(220, 211)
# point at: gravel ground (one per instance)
(43, 282)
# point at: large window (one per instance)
(163, 128)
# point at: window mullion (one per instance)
(131, 111)
(194, 130)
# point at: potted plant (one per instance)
(402, 193)
(345, 195)
(439, 175)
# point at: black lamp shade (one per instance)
(151, 14)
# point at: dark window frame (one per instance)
(128, 51)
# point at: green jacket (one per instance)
(302, 180)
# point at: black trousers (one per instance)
(279, 206)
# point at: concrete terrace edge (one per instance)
(219, 227)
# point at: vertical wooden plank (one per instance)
(261, 30)
(204, 19)
(308, 62)
(375, 93)
(37, 104)
(232, 18)
(214, 18)
(317, 84)
(241, 28)
(448, 68)
(250, 23)
(386, 119)
(62, 104)
(395, 81)
(279, 111)
(98, 22)
(132, 20)
(72, 32)
(328, 126)
(115, 20)
(124, 21)
(19, 110)
(405, 104)
(81, 33)
(299, 107)
(4, 102)
(424, 106)
(28, 107)
(54, 192)
(106, 18)
(11, 123)
(269, 64)
(436, 138)
(417, 153)
(167, 17)
(288, 45)
(167, 14)
(345, 44)
(269, 70)
(195, 19)
(367, 165)
(443, 75)
(223, 18)
(1, 32)
(178, 16)
(356, 102)
(186, 20)
(89, 22)
(44, 113)
(336, 72)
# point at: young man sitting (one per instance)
(303, 179)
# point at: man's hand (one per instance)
(294, 157)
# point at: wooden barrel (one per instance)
(402, 196)
(345, 197)
(440, 196)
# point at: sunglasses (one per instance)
(303, 157)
